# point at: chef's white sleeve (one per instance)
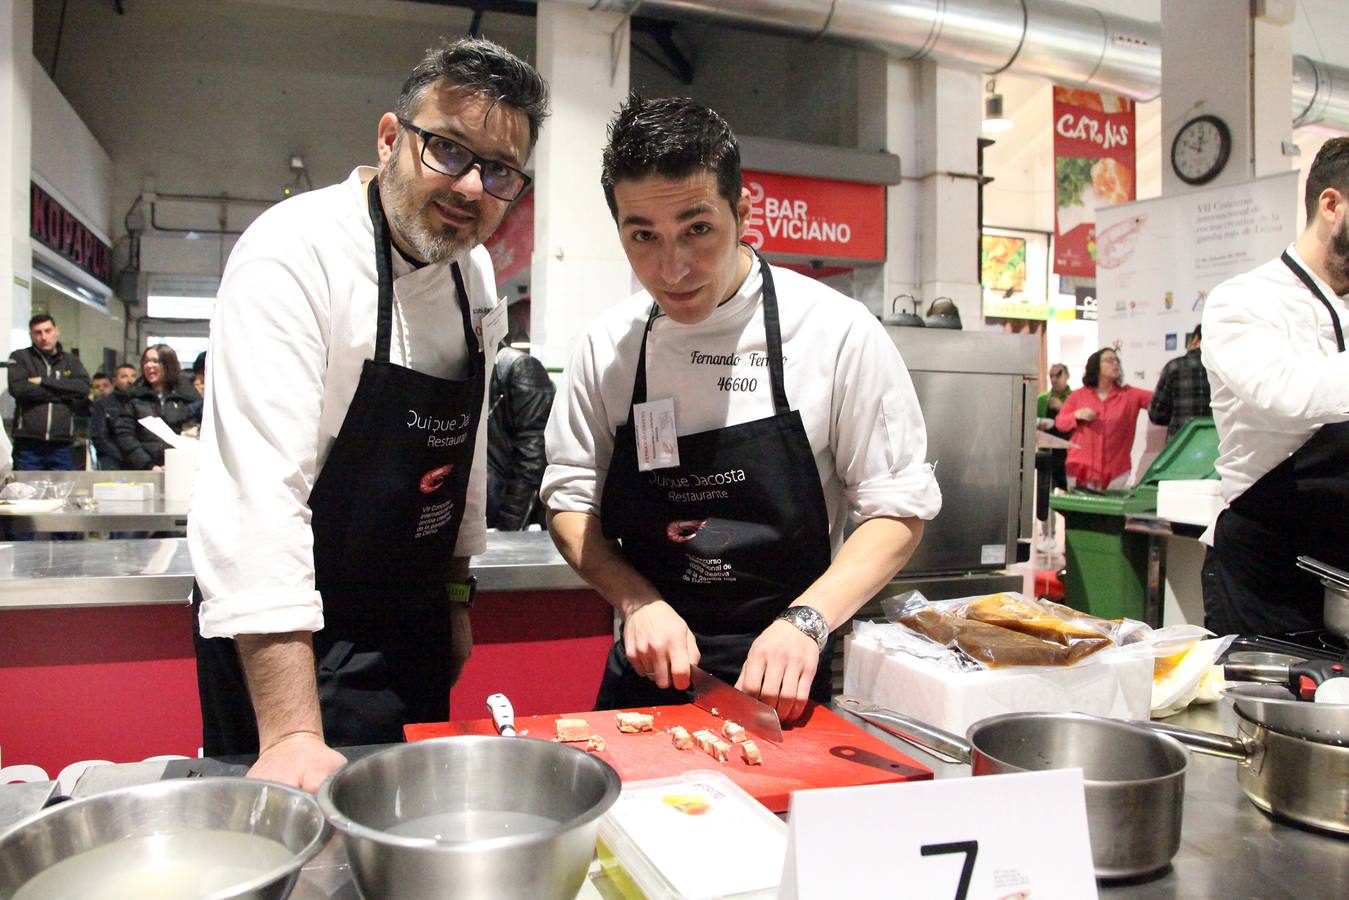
(249, 524)
(878, 435)
(579, 440)
(472, 539)
(1246, 345)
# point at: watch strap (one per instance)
(463, 593)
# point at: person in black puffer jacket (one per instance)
(162, 390)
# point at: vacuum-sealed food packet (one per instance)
(994, 645)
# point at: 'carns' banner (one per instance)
(1094, 147)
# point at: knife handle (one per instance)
(503, 714)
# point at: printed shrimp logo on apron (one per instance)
(433, 480)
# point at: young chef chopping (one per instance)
(342, 478)
(1274, 347)
(794, 417)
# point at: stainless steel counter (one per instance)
(87, 514)
(1228, 848)
(38, 574)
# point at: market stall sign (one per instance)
(58, 228)
(511, 246)
(1094, 167)
(1021, 835)
(815, 217)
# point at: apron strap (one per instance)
(772, 334)
(1312, 286)
(384, 269)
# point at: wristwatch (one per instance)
(462, 593)
(810, 621)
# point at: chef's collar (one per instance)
(745, 297)
(1320, 282)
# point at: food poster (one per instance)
(1094, 164)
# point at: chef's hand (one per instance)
(659, 645)
(780, 668)
(461, 640)
(300, 759)
(1086, 414)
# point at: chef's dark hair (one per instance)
(1330, 169)
(39, 319)
(1092, 376)
(480, 67)
(672, 137)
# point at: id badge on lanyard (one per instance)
(657, 441)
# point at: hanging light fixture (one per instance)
(994, 119)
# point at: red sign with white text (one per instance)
(1094, 166)
(511, 246)
(815, 216)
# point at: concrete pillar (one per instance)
(929, 116)
(16, 147)
(1220, 59)
(579, 269)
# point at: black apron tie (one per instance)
(730, 537)
(386, 511)
(1252, 584)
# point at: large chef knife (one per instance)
(720, 699)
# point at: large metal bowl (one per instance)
(153, 838)
(515, 817)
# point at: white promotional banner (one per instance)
(1157, 260)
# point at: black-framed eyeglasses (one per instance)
(449, 157)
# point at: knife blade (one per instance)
(718, 697)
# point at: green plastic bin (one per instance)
(1107, 566)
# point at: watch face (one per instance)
(1200, 149)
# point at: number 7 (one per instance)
(969, 848)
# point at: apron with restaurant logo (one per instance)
(729, 537)
(1252, 584)
(386, 514)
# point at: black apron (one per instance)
(729, 537)
(1300, 507)
(386, 511)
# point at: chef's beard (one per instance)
(411, 217)
(1337, 257)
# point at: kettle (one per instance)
(943, 313)
(908, 319)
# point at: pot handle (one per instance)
(942, 744)
(1205, 742)
(503, 714)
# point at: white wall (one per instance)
(77, 170)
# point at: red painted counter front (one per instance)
(120, 683)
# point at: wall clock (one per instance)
(1200, 149)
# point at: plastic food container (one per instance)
(694, 835)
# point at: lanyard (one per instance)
(1312, 286)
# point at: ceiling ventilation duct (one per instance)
(1070, 45)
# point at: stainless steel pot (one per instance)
(1134, 779)
(1275, 707)
(167, 833)
(470, 816)
(1304, 781)
(1335, 606)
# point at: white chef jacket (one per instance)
(1274, 370)
(294, 322)
(841, 371)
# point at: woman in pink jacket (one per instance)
(1102, 416)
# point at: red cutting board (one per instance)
(824, 750)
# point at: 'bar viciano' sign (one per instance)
(815, 217)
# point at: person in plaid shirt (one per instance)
(1182, 390)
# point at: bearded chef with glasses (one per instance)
(342, 486)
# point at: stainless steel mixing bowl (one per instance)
(181, 809)
(517, 817)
